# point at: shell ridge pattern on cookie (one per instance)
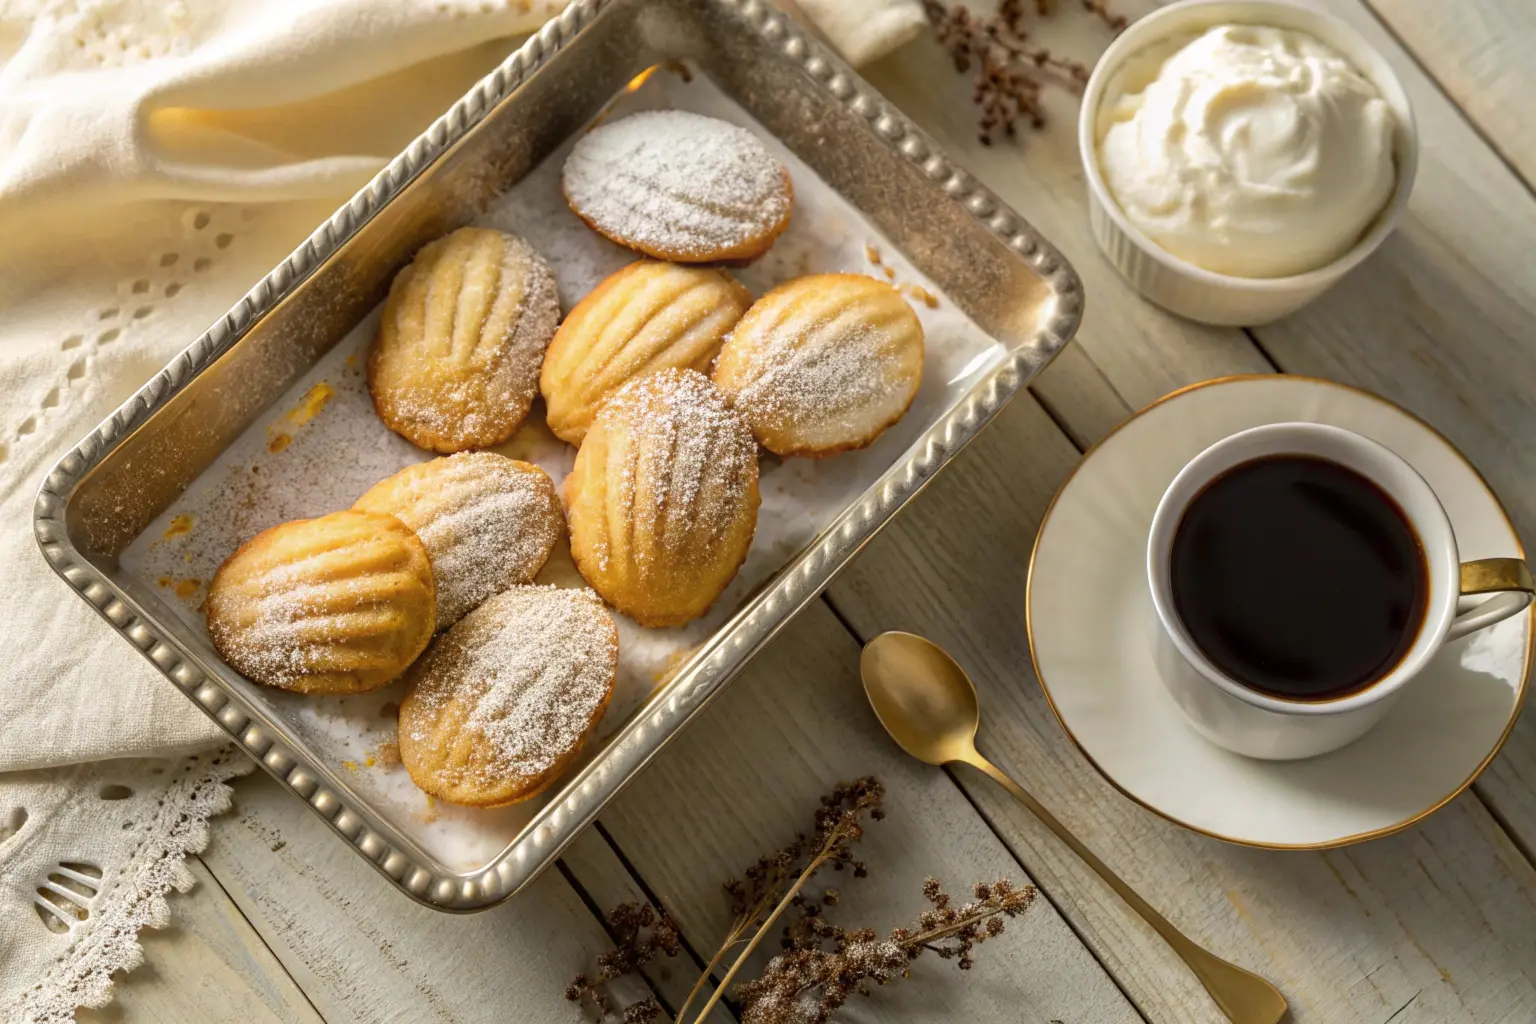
(663, 498)
(504, 701)
(455, 363)
(487, 521)
(338, 604)
(823, 363)
(646, 317)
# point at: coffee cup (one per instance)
(1233, 699)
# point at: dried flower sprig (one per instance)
(838, 825)
(821, 964)
(1009, 71)
(640, 933)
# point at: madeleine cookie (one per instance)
(502, 702)
(679, 187)
(339, 604)
(455, 363)
(646, 317)
(663, 498)
(487, 521)
(823, 364)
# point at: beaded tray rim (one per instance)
(581, 797)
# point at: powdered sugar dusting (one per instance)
(824, 362)
(799, 380)
(336, 604)
(533, 666)
(476, 389)
(487, 521)
(293, 635)
(673, 183)
(696, 447)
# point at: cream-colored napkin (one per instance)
(157, 157)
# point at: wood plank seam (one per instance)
(1264, 352)
(655, 900)
(1510, 831)
(255, 932)
(1045, 894)
(1080, 430)
(1477, 129)
(1261, 927)
(1057, 416)
(602, 921)
(782, 736)
(365, 953)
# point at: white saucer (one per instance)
(1090, 625)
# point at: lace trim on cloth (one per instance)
(126, 828)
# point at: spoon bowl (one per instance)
(922, 697)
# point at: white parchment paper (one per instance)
(321, 446)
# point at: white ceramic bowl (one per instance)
(1176, 284)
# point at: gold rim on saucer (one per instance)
(1520, 693)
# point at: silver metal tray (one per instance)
(981, 255)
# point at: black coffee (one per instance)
(1299, 577)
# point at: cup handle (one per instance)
(1509, 578)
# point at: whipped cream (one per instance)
(1247, 150)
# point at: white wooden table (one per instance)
(1434, 925)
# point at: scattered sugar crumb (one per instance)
(921, 294)
(314, 400)
(308, 407)
(182, 588)
(673, 664)
(387, 756)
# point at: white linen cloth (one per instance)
(157, 157)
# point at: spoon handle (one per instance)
(1159, 923)
(1242, 995)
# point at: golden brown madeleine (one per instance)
(679, 186)
(339, 604)
(644, 318)
(663, 498)
(455, 363)
(487, 521)
(823, 364)
(502, 702)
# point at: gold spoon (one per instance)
(928, 705)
